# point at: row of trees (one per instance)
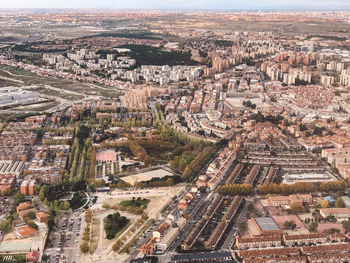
(79, 157)
(6, 225)
(333, 186)
(286, 189)
(157, 183)
(324, 203)
(121, 241)
(138, 151)
(198, 163)
(79, 162)
(84, 246)
(181, 161)
(235, 189)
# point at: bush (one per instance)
(33, 225)
(313, 226)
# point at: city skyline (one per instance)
(180, 4)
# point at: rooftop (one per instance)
(203, 256)
(266, 223)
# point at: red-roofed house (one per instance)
(26, 231)
(33, 256)
(42, 216)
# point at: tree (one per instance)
(313, 226)
(333, 186)
(64, 205)
(331, 231)
(30, 215)
(324, 203)
(197, 164)
(44, 190)
(37, 188)
(33, 225)
(6, 225)
(117, 245)
(88, 216)
(296, 208)
(339, 203)
(113, 223)
(18, 198)
(84, 247)
(289, 224)
(235, 189)
(346, 225)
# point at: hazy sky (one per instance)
(177, 4)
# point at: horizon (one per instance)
(224, 5)
(253, 10)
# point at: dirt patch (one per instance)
(324, 226)
(281, 219)
(95, 235)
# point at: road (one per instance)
(66, 239)
(233, 231)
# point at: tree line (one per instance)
(198, 163)
(299, 187)
(235, 189)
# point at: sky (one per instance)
(180, 4)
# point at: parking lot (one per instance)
(65, 245)
(5, 206)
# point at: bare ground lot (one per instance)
(281, 219)
(324, 226)
(27, 78)
(95, 235)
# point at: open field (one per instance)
(325, 226)
(101, 247)
(284, 27)
(106, 243)
(37, 107)
(24, 78)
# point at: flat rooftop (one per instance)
(266, 223)
(15, 246)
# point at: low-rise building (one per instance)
(42, 216)
(26, 231)
(204, 257)
(340, 214)
(305, 239)
(258, 242)
(33, 256)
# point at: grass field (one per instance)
(18, 258)
(135, 202)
